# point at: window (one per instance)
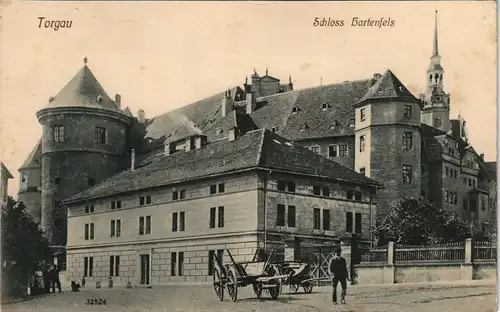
(348, 224)
(58, 134)
(326, 191)
(343, 150)
(407, 141)
(177, 264)
(362, 114)
(357, 223)
(437, 122)
(295, 109)
(174, 222)
(422, 168)
(212, 217)
(406, 174)
(89, 231)
(182, 218)
(332, 151)
(148, 225)
(100, 135)
(291, 216)
(447, 171)
(362, 143)
(116, 204)
(220, 216)
(362, 171)
(281, 186)
(114, 265)
(350, 194)
(144, 200)
(315, 149)
(274, 129)
(483, 204)
(316, 190)
(456, 174)
(88, 266)
(407, 111)
(316, 218)
(358, 196)
(473, 207)
(57, 181)
(215, 187)
(280, 218)
(211, 259)
(465, 205)
(89, 209)
(115, 228)
(148, 200)
(141, 225)
(141, 201)
(326, 219)
(291, 187)
(181, 194)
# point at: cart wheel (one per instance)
(308, 288)
(232, 285)
(294, 288)
(276, 290)
(257, 289)
(218, 284)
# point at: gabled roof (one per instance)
(491, 168)
(83, 90)
(6, 171)
(256, 149)
(388, 87)
(34, 159)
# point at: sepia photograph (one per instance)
(248, 156)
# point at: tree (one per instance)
(23, 246)
(417, 222)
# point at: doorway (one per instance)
(144, 266)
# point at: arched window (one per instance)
(58, 134)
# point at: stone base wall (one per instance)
(194, 269)
(377, 273)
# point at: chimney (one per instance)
(141, 116)
(232, 133)
(188, 144)
(200, 141)
(251, 102)
(481, 156)
(375, 78)
(132, 160)
(227, 103)
(166, 150)
(118, 100)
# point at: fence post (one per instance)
(468, 251)
(390, 253)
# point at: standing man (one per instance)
(338, 271)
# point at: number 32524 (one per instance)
(96, 301)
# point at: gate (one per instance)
(318, 259)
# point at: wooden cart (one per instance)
(298, 273)
(262, 275)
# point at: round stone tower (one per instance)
(83, 141)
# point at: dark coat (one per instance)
(338, 267)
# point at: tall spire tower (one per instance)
(436, 111)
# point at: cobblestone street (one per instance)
(401, 298)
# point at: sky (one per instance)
(163, 55)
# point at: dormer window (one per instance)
(295, 110)
(274, 129)
(303, 127)
(218, 131)
(351, 122)
(334, 124)
(99, 98)
(325, 106)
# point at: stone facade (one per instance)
(246, 199)
(5, 175)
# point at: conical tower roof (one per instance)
(83, 90)
(388, 87)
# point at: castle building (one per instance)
(5, 175)
(90, 144)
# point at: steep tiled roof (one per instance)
(83, 90)
(256, 149)
(34, 160)
(388, 87)
(187, 120)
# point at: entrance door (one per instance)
(144, 269)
